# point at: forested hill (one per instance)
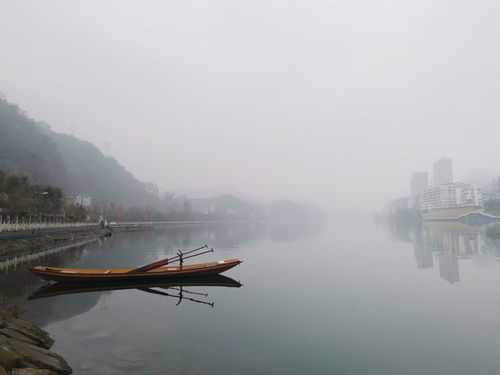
(31, 147)
(25, 148)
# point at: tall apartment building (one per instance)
(418, 183)
(443, 172)
(450, 195)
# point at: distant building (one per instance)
(82, 200)
(450, 195)
(418, 183)
(399, 205)
(443, 171)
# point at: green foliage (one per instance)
(20, 197)
(76, 212)
(492, 206)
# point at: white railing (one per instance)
(12, 225)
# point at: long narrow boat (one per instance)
(115, 274)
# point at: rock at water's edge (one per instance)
(34, 356)
(8, 358)
(24, 349)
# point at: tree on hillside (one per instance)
(19, 197)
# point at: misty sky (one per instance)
(334, 102)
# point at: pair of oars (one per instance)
(163, 262)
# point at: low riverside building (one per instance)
(450, 195)
(80, 199)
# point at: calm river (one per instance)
(347, 298)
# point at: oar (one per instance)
(181, 297)
(192, 251)
(185, 291)
(191, 256)
(162, 262)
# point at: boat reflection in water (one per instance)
(171, 288)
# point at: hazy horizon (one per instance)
(335, 103)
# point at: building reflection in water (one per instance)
(444, 244)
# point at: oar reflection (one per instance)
(180, 295)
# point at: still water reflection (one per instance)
(443, 244)
(349, 298)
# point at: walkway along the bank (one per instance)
(18, 228)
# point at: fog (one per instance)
(329, 102)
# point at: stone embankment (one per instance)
(24, 349)
(16, 246)
(131, 227)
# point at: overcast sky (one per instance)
(334, 102)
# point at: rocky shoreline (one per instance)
(24, 349)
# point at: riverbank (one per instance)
(117, 228)
(41, 242)
(24, 349)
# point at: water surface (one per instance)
(347, 298)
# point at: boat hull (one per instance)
(122, 274)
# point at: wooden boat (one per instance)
(57, 289)
(116, 274)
